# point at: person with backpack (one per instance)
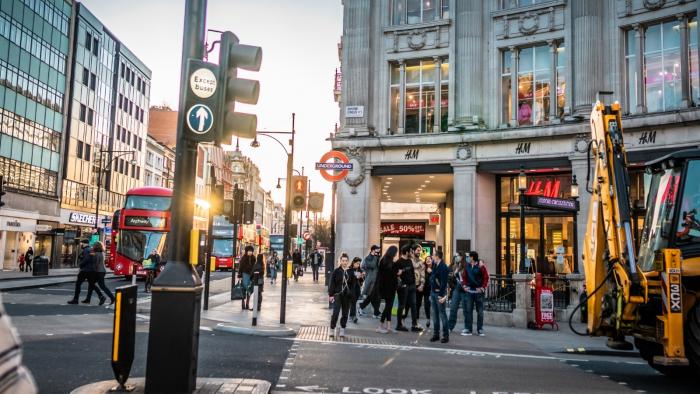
(340, 289)
(475, 281)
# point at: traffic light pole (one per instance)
(287, 223)
(173, 337)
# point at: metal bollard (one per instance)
(256, 289)
(124, 335)
(133, 274)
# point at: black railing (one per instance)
(561, 288)
(500, 295)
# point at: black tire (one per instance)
(692, 337)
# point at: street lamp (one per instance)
(522, 187)
(574, 196)
(104, 169)
(287, 206)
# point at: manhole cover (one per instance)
(321, 333)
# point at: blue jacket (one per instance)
(438, 279)
(87, 262)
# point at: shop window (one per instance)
(79, 150)
(418, 11)
(421, 80)
(505, 4)
(540, 95)
(688, 231)
(653, 66)
(88, 40)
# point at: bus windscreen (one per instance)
(150, 203)
(137, 245)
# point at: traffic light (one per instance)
(232, 57)
(227, 209)
(248, 212)
(299, 184)
(216, 201)
(3, 182)
(237, 206)
(293, 230)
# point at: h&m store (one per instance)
(469, 182)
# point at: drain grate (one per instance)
(321, 333)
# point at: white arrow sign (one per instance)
(310, 389)
(202, 115)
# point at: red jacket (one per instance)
(482, 272)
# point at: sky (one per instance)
(299, 39)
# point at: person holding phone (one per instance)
(359, 278)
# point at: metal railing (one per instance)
(500, 295)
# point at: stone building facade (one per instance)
(444, 102)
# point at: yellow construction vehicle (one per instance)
(650, 294)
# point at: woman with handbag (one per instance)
(245, 273)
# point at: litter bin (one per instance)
(40, 266)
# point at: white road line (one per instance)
(204, 328)
(49, 334)
(281, 386)
(288, 364)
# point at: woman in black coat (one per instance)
(387, 279)
(340, 288)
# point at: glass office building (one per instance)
(34, 64)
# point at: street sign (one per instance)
(306, 235)
(344, 166)
(316, 202)
(106, 221)
(200, 119)
(202, 101)
(300, 241)
(203, 83)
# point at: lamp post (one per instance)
(99, 178)
(522, 187)
(574, 196)
(287, 205)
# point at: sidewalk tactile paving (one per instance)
(321, 333)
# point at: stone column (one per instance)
(685, 74)
(514, 60)
(351, 223)
(641, 100)
(356, 61)
(553, 82)
(469, 62)
(402, 98)
(437, 111)
(523, 300)
(373, 208)
(587, 18)
(464, 215)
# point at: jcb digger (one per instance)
(652, 292)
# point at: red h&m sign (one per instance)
(551, 188)
(403, 229)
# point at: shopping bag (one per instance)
(148, 264)
(237, 293)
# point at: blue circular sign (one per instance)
(200, 119)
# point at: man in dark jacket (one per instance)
(370, 266)
(316, 261)
(438, 297)
(296, 264)
(246, 268)
(407, 291)
(475, 281)
(86, 272)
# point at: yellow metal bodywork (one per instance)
(670, 322)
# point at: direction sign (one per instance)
(200, 119)
(306, 235)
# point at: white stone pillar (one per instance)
(373, 209)
(484, 218)
(351, 219)
(402, 97)
(514, 60)
(3, 244)
(464, 181)
(588, 27)
(437, 111)
(469, 61)
(685, 55)
(641, 99)
(553, 82)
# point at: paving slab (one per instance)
(204, 385)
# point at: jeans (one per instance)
(407, 300)
(314, 270)
(273, 274)
(423, 298)
(342, 301)
(439, 316)
(388, 306)
(372, 298)
(472, 299)
(458, 299)
(100, 281)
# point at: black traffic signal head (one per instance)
(217, 200)
(248, 212)
(299, 188)
(237, 206)
(232, 57)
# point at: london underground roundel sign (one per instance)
(340, 163)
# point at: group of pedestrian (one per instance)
(26, 259)
(92, 269)
(414, 282)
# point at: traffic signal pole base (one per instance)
(173, 335)
(204, 385)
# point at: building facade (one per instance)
(106, 130)
(157, 169)
(35, 54)
(443, 103)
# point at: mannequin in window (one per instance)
(524, 113)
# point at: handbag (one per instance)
(237, 293)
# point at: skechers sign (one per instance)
(144, 221)
(81, 218)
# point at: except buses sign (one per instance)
(327, 169)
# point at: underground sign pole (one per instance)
(173, 336)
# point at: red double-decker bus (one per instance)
(139, 229)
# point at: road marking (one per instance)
(87, 333)
(604, 376)
(284, 377)
(204, 328)
(48, 334)
(281, 385)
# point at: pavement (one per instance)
(68, 346)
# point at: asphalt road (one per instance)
(66, 346)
